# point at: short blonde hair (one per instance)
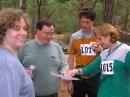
(8, 17)
(108, 30)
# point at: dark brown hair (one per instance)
(88, 13)
(42, 23)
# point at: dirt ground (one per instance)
(63, 92)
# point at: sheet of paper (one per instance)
(63, 77)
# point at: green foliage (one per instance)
(64, 13)
(32, 8)
(7, 3)
(125, 38)
(65, 16)
(62, 1)
(99, 11)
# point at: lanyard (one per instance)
(112, 51)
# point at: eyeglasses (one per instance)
(48, 33)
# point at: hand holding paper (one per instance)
(65, 77)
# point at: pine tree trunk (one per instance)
(126, 16)
(0, 4)
(23, 5)
(14, 3)
(108, 11)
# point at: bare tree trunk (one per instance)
(23, 5)
(43, 9)
(0, 4)
(108, 11)
(126, 16)
(14, 3)
(94, 4)
(34, 19)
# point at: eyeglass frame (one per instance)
(48, 33)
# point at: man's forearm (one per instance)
(71, 61)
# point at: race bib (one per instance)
(86, 50)
(107, 67)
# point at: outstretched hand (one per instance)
(71, 72)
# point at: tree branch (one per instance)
(123, 32)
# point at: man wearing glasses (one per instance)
(47, 56)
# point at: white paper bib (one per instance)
(86, 50)
(107, 67)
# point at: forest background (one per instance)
(64, 13)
